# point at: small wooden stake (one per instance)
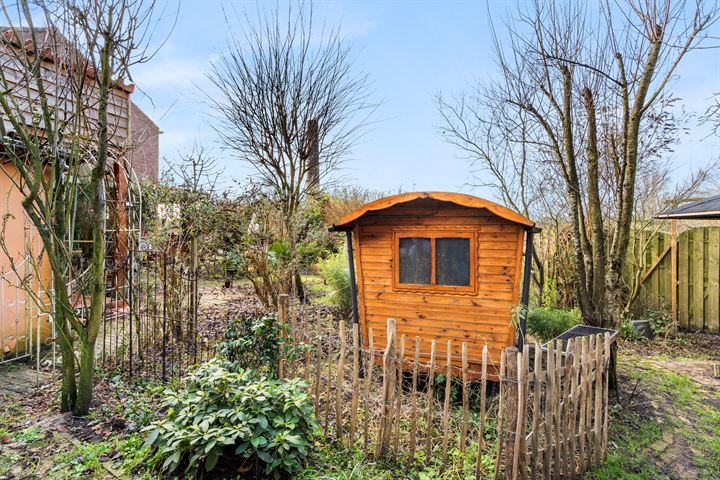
(430, 383)
(465, 399)
(386, 414)
(537, 393)
(368, 383)
(597, 428)
(413, 400)
(549, 405)
(328, 398)
(339, 380)
(483, 395)
(574, 406)
(398, 394)
(446, 405)
(501, 413)
(606, 384)
(557, 410)
(356, 383)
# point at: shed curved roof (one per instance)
(456, 198)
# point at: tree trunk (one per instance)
(68, 389)
(598, 247)
(87, 374)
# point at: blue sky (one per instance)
(410, 50)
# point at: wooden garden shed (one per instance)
(446, 266)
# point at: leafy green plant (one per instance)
(548, 323)
(253, 343)
(260, 424)
(335, 272)
(661, 322)
(628, 332)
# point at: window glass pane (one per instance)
(452, 261)
(415, 261)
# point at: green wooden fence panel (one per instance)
(698, 276)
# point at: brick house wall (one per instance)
(145, 154)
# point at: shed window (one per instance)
(442, 261)
(452, 261)
(415, 261)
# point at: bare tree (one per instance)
(588, 92)
(60, 89)
(288, 94)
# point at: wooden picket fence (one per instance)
(553, 418)
(377, 398)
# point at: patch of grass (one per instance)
(84, 460)
(30, 435)
(686, 412)
(628, 454)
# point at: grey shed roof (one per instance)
(708, 208)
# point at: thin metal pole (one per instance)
(351, 267)
(130, 299)
(525, 297)
(164, 320)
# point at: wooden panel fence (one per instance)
(698, 282)
(551, 416)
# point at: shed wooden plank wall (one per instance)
(477, 319)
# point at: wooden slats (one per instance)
(697, 267)
(552, 419)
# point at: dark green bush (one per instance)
(253, 342)
(234, 416)
(548, 323)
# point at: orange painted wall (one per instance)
(15, 303)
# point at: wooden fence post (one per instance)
(328, 377)
(574, 403)
(386, 415)
(430, 383)
(465, 399)
(356, 383)
(511, 409)
(518, 463)
(483, 395)
(536, 392)
(549, 405)
(398, 394)
(557, 410)
(339, 380)
(606, 386)
(413, 400)
(568, 427)
(368, 382)
(446, 405)
(283, 305)
(597, 429)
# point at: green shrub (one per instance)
(661, 322)
(548, 323)
(334, 270)
(267, 424)
(253, 343)
(628, 332)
